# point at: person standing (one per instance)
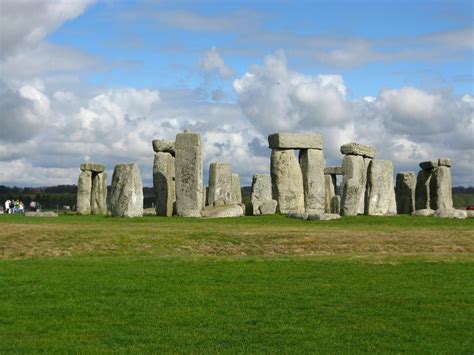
(7, 206)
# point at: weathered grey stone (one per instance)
(336, 204)
(268, 207)
(361, 208)
(94, 167)
(287, 181)
(440, 188)
(470, 213)
(41, 214)
(329, 191)
(427, 165)
(295, 141)
(364, 150)
(312, 168)
(422, 191)
(444, 162)
(149, 211)
(425, 212)
(323, 216)
(164, 146)
(164, 184)
(405, 192)
(99, 193)
(84, 188)
(126, 198)
(205, 191)
(352, 186)
(333, 170)
(222, 211)
(188, 167)
(298, 215)
(261, 191)
(450, 213)
(381, 194)
(220, 183)
(236, 193)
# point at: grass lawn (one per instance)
(253, 284)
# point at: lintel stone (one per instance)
(333, 170)
(427, 165)
(444, 162)
(94, 167)
(364, 150)
(295, 141)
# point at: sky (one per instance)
(99, 80)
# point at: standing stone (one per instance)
(220, 184)
(261, 191)
(352, 186)
(84, 185)
(312, 168)
(188, 167)
(440, 188)
(127, 191)
(287, 181)
(405, 192)
(381, 195)
(336, 204)
(363, 195)
(164, 184)
(330, 191)
(236, 193)
(422, 191)
(99, 193)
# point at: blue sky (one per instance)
(97, 80)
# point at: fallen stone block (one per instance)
(222, 211)
(425, 212)
(295, 141)
(470, 213)
(164, 146)
(41, 214)
(298, 215)
(323, 216)
(94, 167)
(364, 150)
(450, 213)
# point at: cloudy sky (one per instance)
(98, 80)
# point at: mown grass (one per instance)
(260, 284)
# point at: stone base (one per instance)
(450, 213)
(426, 212)
(222, 212)
(41, 214)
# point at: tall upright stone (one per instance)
(236, 193)
(164, 184)
(99, 193)
(261, 191)
(422, 191)
(189, 179)
(220, 184)
(352, 186)
(405, 192)
(363, 195)
(330, 182)
(84, 187)
(126, 198)
(380, 191)
(440, 188)
(312, 168)
(287, 181)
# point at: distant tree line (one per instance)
(53, 197)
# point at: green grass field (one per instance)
(247, 285)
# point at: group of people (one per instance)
(12, 206)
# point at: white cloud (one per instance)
(213, 62)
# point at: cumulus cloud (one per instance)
(213, 62)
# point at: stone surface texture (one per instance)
(164, 146)
(441, 189)
(84, 187)
(427, 165)
(298, 215)
(444, 162)
(336, 204)
(295, 141)
(41, 214)
(287, 181)
(312, 167)
(99, 194)
(361, 208)
(220, 183)
(352, 186)
(405, 192)
(450, 213)
(261, 191)
(364, 150)
(127, 191)
(164, 184)
(236, 192)
(323, 216)
(422, 190)
(329, 191)
(268, 207)
(222, 212)
(189, 179)
(425, 212)
(333, 170)
(381, 194)
(95, 167)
